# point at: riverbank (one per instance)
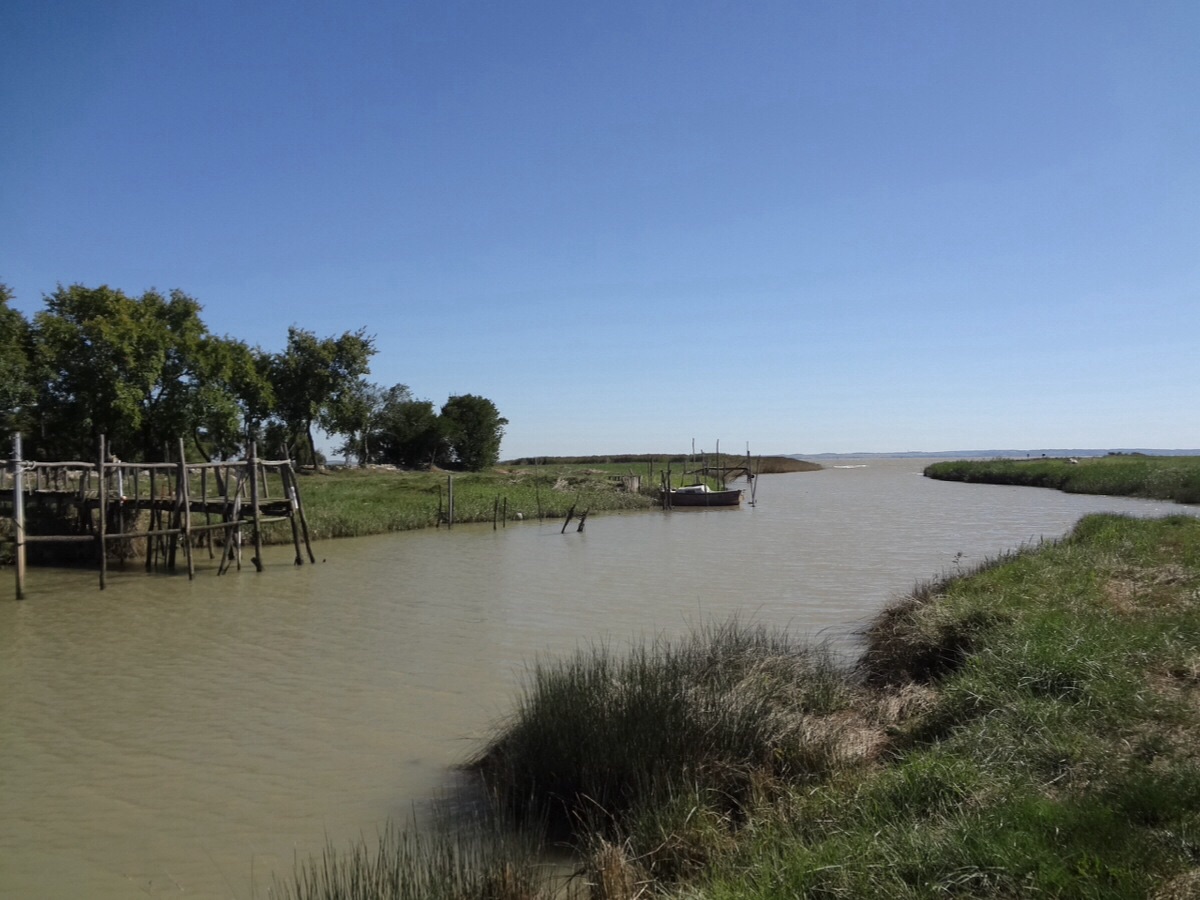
(1025, 728)
(1174, 478)
(358, 502)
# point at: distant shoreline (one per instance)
(995, 454)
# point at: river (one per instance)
(166, 737)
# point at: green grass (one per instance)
(1055, 754)
(1154, 477)
(599, 733)
(355, 502)
(474, 861)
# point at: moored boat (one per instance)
(703, 495)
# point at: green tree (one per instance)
(474, 428)
(16, 371)
(143, 371)
(234, 399)
(409, 431)
(353, 415)
(313, 375)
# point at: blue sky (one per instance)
(804, 226)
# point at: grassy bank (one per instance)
(1154, 477)
(355, 502)
(1026, 729)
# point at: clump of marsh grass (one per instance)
(931, 631)
(471, 861)
(599, 734)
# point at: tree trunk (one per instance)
(312, 445)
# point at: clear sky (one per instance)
(805, 226)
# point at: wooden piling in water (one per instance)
(18, 471)
(255, 510)
(102, 496)
(187, 513)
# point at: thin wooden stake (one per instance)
(187, 514)
(303, 518)
(101, 496)
(255, 511)
(19, 514)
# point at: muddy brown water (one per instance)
(169, 738)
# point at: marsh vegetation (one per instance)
(356, 502)
(1120, 475)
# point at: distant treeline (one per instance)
(146, 371)
(766, 465)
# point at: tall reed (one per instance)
(598, 734)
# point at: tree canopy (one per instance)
(145, 371)
(316, 379)
(16, 387)
(474, 429)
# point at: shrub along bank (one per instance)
(1029, 728)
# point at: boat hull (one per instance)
(732, 497)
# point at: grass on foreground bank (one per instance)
(356, 502)
(1030, 728)
(1127, 475)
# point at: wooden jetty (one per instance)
(117, 506)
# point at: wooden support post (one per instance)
(19, 514)
(102, 497)
(537, 487)
(450, 501)
(294, 514)
(303, 518)
(495, 512)
(152, 524)
(185, 496)
(582, 519)
(173, 520)
(208, 535)
(570, 516)
(504, 514)
(255, 511)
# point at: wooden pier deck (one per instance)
(127, 509)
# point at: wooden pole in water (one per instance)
(537, 486)
(173, 521)
(290, 491)
(208, 532)
(303, 518)
(151, 542)
(102, 497)
(185, 495)
(570, 515)
(253, 464)
(450, 501)
(495, 512)
(19, 514)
